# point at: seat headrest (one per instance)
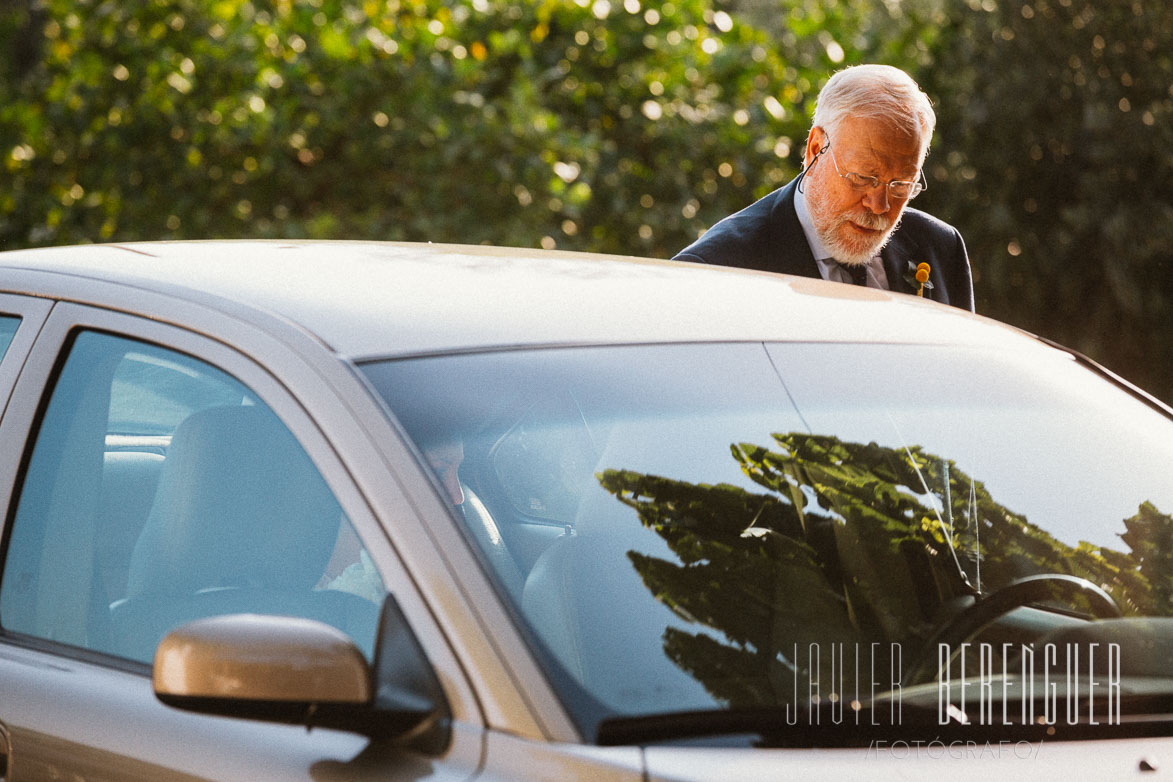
(239, 503)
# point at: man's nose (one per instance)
(876, 199)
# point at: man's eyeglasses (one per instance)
(899, 189)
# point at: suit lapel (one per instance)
(787, 238)
(896, 256)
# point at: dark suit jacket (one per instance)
(767, 236)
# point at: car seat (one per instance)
(241, 522)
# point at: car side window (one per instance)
(7, 332)
(160, 490)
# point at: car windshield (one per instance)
(814, 535)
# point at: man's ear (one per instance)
(816, 144)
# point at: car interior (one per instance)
(173, 494)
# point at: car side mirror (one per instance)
(303, 672)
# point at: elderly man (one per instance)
(845, 217)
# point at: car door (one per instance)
(162, 477)
(20, 317)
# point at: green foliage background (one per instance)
(622, 126)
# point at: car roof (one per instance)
(368, 299)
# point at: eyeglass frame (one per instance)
(916, 186)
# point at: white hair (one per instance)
(876, 92)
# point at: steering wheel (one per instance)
(1017, 593)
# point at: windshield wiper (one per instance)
(1142, 715)
(790, 725)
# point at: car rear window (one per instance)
(8, 326)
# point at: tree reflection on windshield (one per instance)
(854, 544)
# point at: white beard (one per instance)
(847, 249)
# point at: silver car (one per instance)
(349, 511)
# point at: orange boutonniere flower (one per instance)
(917, 277)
